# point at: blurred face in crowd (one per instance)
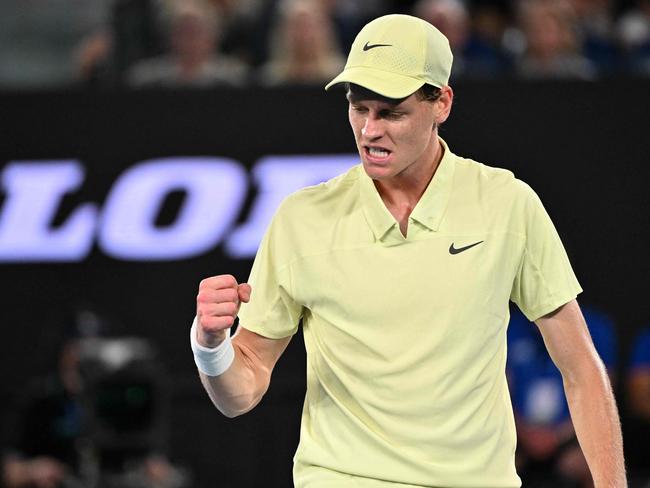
(449, 17)
(547, 30)
(396, 138)
(306, 30)
(192, 38)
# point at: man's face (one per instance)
(395, 138)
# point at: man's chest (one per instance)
(445, 275)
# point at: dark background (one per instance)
(582, 146)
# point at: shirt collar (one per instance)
(431, 207)
(429, 210)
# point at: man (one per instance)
(193, 60)
(401, 271)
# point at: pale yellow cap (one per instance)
(395, 55)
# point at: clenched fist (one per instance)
(217, 305)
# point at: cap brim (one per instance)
(384, 83)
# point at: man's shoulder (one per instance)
(326, 198)
(490, 180)
(305, 220)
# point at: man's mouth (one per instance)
(377, 153)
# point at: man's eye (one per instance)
(359, 109)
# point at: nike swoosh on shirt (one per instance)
(367, 46)
(456, 250)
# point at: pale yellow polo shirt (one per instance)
(406, 337)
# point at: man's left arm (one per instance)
(589, 393)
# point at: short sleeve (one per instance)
(272, 310)
(545, 279)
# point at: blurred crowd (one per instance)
(548, 454)
(202, 43)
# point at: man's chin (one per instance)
(377, 172)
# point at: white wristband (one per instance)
(212, 361)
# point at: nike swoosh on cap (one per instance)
(454, 250)
(367, 46)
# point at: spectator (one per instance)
(473, 57)
(53, 43)
(547, 447)
(241, 24)
(552, 50)
(633, 32)
(304, 49)
(595, 30)
(193, 60)
(71, 429)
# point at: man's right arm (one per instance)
(240, 387)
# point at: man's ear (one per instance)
(443, 104)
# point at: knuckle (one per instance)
(229, 280)
(204, 297)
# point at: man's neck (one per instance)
(401, 194)
(407, 188)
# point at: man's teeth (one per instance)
(377, 152)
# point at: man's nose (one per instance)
(373, 128)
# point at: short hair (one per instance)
(426, 93)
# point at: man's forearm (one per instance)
(240, 387)
(597, 425)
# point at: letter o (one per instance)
(216, 188)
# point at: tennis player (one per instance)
(401, 271)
